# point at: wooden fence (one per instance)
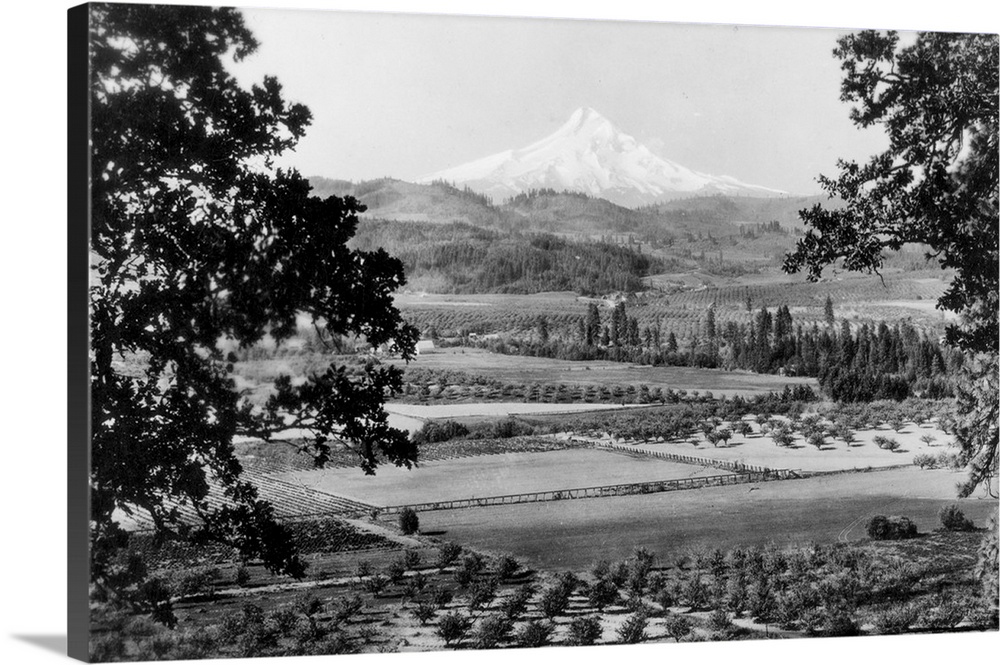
(729, 465)
(599, 491)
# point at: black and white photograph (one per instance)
(422, 332)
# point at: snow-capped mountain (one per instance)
(589, 154)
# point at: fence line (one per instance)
(625, 489)
(728, 465)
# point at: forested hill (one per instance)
(456, 240)
(460, 258)
(439, 203)
(549, 211)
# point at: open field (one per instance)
(685, 299)
(493, 475)
(572, 535)
(523, 369)
(834, 456)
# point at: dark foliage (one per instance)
(881, 527)
(954, 519)
(535, 633)
(584, 631)
(476, 260)
(409, 523)
(191, 244)
(870, 363)
(937, 184)
(452, 627)
(633, 629)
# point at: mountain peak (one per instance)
(583, 115)
(589, 154)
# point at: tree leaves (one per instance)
(937, 182)
(195, 239)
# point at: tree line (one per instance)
(864, 363)
(476, 260)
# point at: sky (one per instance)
(405, 95)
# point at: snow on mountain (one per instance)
(589, 154)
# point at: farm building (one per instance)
(425, 346)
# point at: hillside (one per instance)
(439, 203)
(551, 211)
(718, 238)
(738, 209)
(460, 258)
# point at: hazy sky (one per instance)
(404, 95)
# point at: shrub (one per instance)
(516, 604)
(600, 569)
(309, 605)
(347, 607)
(473, 562)
(198, 583)
(719, 621)
(493, 630)
(950, 461)
(665, 599)
(434, 431)
(584, 631)
(396, 571)
(424, 612)
(452, 627)
(817, 439)
(510, 427)
(411, 559)
(409, 523)
(505, 567)
(568, 582)
(448, 554)
(442, 597)
(633, 629)
(482, 594)
(250, 632)
(534, 633)
(242, 576)
(944, 614)
(284, 620)
(954, 519)
(677, 626)
(617, 573)
(886, 443)
(894, 619)
(554, 601)
(695, 591)
(982, 616)
(635, 603)
(925, 461)
(895, 527)
(602, 593)
(656, 582)
(463, 576)
(375, 584)
(840, 623)
(194, 645)
(107, 648)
